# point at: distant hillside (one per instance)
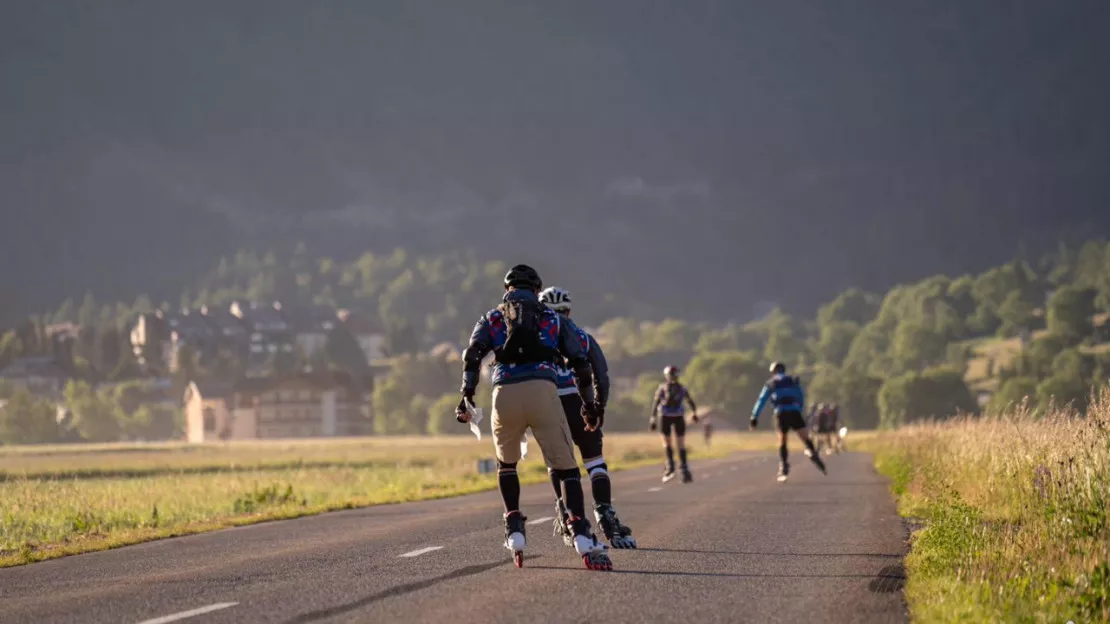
(717, 152)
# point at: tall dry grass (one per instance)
(1012, 510)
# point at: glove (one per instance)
(694, 418)
(651, 425)
(753, 424)
(594, 415)
(462, 411)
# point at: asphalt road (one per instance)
(733, 546)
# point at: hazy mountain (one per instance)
(733, 152)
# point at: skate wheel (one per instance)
(518, 558)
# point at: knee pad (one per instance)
(597, 468)
(569, 474)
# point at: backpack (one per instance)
(523, 344)
(782, 383)
(673, 395)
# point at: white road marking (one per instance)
(422, 551)
(173, 617)
(541, 520)
(655, 489)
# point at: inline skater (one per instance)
(589, 442)
(788, 400)
(670, 406)
(527, 339)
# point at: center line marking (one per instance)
(655, 489)
(417, 553)
(173, 617)
(541, 520)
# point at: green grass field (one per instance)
(61, 500)
(1011, 515)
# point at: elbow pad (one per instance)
(472, 366)
(585, 379)
(472, 356)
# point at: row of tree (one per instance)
(131, 410)
(884, 359)
(889, 359)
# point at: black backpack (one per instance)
(673, 394)
(523, 344)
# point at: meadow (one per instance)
(67, 499)
(1009, 514)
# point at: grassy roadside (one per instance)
(60, 501)
(1010, 515)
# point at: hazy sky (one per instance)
(856, 142)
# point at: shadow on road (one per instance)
(873, 577)
(772, 554)
(399, 590)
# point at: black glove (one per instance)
(753, 424)
(462, 410)
(651, 425)
(594, 415)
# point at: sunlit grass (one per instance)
(55, 504)
(1013, 511)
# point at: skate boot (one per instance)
(586, 545)
(514, 536)
(816, 459)
(559, 526)
(686, 476)
(784, 471)
(619, 536)
(668, 473)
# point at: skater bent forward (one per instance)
(527, 339)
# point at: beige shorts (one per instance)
(531, 404)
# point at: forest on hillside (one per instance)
(886, 359)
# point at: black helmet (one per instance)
(523, 276)
(778, 368)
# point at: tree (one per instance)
(858, 399)
(392, 400)
(915, 347)
(93, 418)
(1063, 391)
(1016, 314)
(867, 355)
(937, 392)
(851, 306)
(781, 337)
(1072, 363)
(108, 352)
(87, 313)
(27, 420)
(730, 380)
(670, 335)
(344, 353)
(441, 417)
(732, 337)
(11, 347)
(400, 339)
(1038, 358)
(1069, 313)
(835, 341)
(1013, 392)
(65, 313)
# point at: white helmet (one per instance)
(556, 298)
